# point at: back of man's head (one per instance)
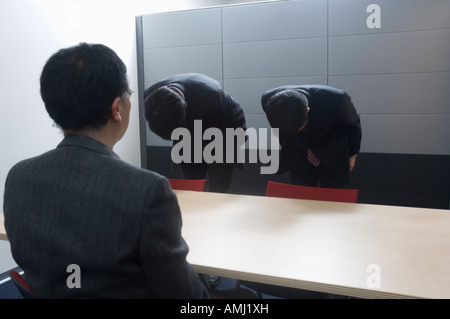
(165, 110)
(80, 83)
(287, 110)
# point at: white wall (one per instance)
(31, 31)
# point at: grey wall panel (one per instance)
(155, 140)
(194, 27)
(258, 122)
(248, 91)
(296, 57)
(406, 133)
(416, 93)
(398, 75)
(348, 17)
(162, 62)
(403, 52)
(270, 21)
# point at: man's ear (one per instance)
(115, 110)
(307, 110)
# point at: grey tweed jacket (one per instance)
(79, 204)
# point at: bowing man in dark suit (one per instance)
(81, 222)
(320, 133)
(181, 99)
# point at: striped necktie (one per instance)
(313, 158)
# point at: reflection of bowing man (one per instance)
(332, 133)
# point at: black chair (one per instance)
(21, 285)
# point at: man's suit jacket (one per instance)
(79, 204)
(206, 101)
(333, 131)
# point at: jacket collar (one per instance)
(87, 143)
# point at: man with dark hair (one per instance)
(79, 207)
(181, 99)
(320, 133)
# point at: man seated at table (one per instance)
(81, 222)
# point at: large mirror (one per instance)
(392, 57)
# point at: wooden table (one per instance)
(360, 250)
(368, 251)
